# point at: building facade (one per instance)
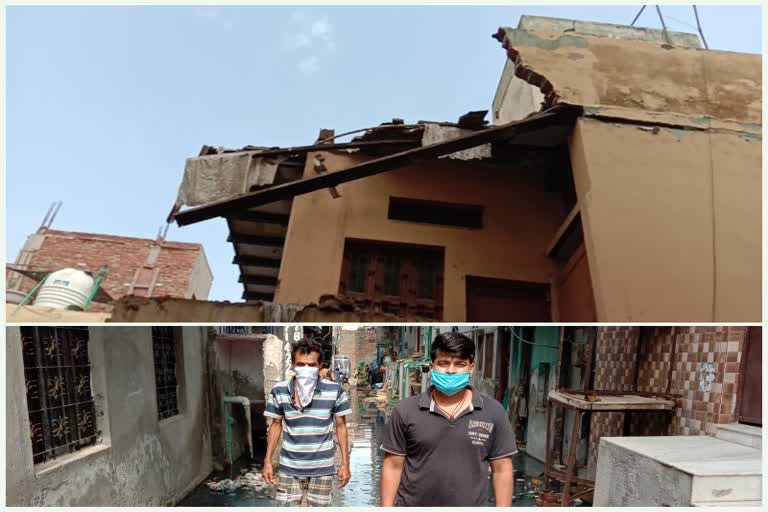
(102, 416)
(135, 266)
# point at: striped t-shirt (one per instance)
(307, 433)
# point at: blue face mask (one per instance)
(450, 383)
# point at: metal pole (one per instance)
(638, 15)
(698, 24)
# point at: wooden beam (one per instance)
(256, 261)
(255, 279)
(563, 229)
(267, 297)
(373, 167)
(325, 147)
(239, 238)
(266, 217)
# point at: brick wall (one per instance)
(123, 256)
(359, 345)
(699, 351)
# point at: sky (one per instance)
(104, 104)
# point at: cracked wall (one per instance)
(672, 222)
(588, 70)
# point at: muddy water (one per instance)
(366, 426)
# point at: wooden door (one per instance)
(499, 300)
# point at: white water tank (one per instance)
(64, 288)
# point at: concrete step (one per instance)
(733, 504)
(725, 488)
(676, 471)
(745, 435)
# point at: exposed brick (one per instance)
(123, 255)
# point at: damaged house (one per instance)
(619, 181)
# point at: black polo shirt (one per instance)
(446, 462)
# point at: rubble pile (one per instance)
(247, 480)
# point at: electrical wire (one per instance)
(546, 346)
(532, 343)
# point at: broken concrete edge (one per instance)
(672, 120)
(749, 131)
(525, 73)
(167, 309)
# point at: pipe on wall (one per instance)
(246, 403)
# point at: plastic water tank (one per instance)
(64, 288)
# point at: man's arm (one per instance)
(503, 481)
(391, 473)
(275, 429)
(341, 433)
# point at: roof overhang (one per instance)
(544, 129)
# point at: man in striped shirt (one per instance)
(303, 410)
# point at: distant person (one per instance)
(440, 444)
(303, 409)
(325, 371)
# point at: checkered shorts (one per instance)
(291, 490)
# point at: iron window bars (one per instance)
(164, 353)
(57, 374)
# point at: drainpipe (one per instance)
(246, 403)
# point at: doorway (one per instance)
(750, 392)
(501, 300)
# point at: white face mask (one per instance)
(306, 378)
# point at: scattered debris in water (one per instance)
(250, 480)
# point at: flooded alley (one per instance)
(366, 426)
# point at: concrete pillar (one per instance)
(276, 365)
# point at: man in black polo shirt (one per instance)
(439, 444)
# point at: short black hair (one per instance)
(306, 346)
(454, 344)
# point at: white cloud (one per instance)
(321, 28)
(311, 32)
(309, 65)
(301, 39)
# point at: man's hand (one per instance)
(343, 475)
(267, 473)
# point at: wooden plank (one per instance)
(255, 279)
(372, 167)
(256, 261)
(266, 217)
(325, 147)
(272, 241)
(613, 402)
(567, 223)
(251, 296)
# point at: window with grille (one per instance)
(399, 279)
(57, 374)
(165, 352)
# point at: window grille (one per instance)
(164, 351)
(57, 374)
